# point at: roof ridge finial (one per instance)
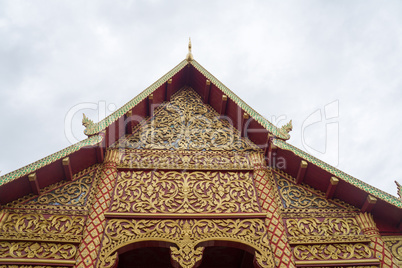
(189, 54)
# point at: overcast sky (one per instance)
(333, 67)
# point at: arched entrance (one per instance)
(186, 239)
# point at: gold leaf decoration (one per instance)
(394, 244)
(186, 234)
(74, 193)
(310, 230)
(55, 228)
(184, 192)
(37, 250)
(332, 252)
(295, 196)
(181, 159)
(186, 123)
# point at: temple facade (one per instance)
(188, 175)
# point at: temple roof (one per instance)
(189, 72)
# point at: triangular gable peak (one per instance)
(272, 140)
(186, 123)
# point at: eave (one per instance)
(387, 210)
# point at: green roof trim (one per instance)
(340, 174)
(277, 132)
(98, 127)
(49, 159)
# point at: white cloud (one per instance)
(283, 58)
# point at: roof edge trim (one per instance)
(93, 140)
(340, 174)
(277, 132)
(101, 125)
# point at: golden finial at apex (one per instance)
(189, 54)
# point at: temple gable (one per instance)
(186, 123)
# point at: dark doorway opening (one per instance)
(146, 257)
(159, 257)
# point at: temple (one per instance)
(186, 174)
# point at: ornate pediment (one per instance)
(184, 192)
(186, 123)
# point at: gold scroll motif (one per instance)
(37, 250)
(295, 196)
(184, 192)
(32, 202)
(74, 193)
(54, 228)
(186, 123)
(332, 252)
(190, 160)
(312, 230)
(186, 235)
(394, 244)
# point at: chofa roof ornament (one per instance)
(285, 129)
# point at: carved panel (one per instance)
(332, 252)
(70, 198)
(312, 230)
(186, 123)
(184, 192)
(304, 197)
(37, 250)
(74, 193)
(147, 159)
(394, 244)
(186, 235)
(38, 227)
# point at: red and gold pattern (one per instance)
(90, 245)
(276, 231)
(381, 252)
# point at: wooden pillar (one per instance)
(169, 89)
(223, 104)
(267, 144)
(67, 169)
(206, 91)
(34, 183)
(302, 172)
(243, 124)
(129, 124)
(151, 105)
(369, 204)
(333, 183)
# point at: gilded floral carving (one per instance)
(312, 230)
(186, 123)
(189, 160)
(394, 244)
(186, 235)
(74, 193)
(184, 192)
(332, 252)
(37, 250)
(295, 196)
(38, 227)
(69, 197)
